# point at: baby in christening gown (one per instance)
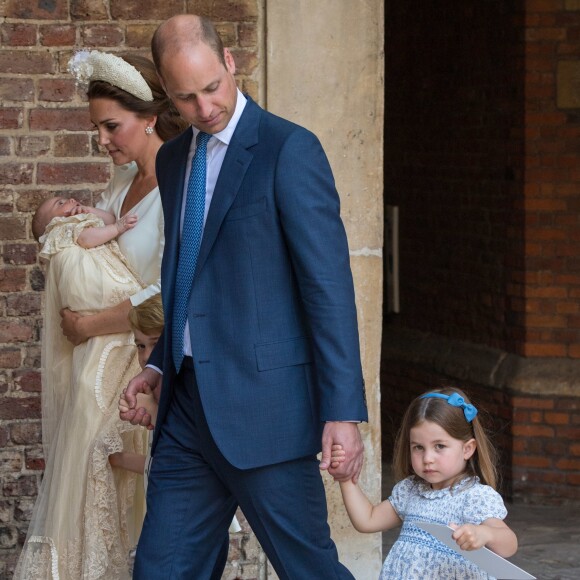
(86, 516)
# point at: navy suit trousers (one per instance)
(193, 493)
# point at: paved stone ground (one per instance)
(548, 537)
(549, 540)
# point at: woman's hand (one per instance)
(79, 328)
(71, 324)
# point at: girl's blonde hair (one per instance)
(147, 317)
(482, 463)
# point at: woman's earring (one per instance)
(149, 130)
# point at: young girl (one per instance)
(445, 466)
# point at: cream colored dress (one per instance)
(143, 245)
(85, 518)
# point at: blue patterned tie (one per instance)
(189, 245)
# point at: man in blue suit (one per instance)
(271, 368)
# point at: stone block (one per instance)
(56, 90)
(18, 34)
(135, 9)
(72, 145)
(32, 145)
(35, 10)
(16, 89)
(26, 62)
(88, 10)
(72, 173)
(57, 35)
(101, 36)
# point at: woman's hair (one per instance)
(169, 124)
(147, 317)
(452, 419)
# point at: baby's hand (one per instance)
(78, 208)
(470, 536)
(127, 222)
(337, 455)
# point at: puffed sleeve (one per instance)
(400, 495)
(63, 232)
(484, 503)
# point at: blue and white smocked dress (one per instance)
(417, 555)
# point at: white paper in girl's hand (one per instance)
(487, 560)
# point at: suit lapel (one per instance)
(233, 170)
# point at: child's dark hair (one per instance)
(482, 463)
(147, 317)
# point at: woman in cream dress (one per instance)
(88, 515)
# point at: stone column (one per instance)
(324, 70)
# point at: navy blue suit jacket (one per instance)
(272, 312)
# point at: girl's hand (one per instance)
(471, 536)
(492, 533)
(337, 455)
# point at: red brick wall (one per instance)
(454, 154)
(546, 448)
(46, 147)
(484, 167)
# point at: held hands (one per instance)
(147, 381)
(127, 222)
(346, 436)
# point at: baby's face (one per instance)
(59, 207)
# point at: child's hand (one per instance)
(127, 222)
(337, 456)
(116, 459)
(123, 405)
(470, 536)
(78, 208)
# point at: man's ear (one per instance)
(230, 62)
(469, 448)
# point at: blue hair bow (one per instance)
(455, 400)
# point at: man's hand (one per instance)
(147, 381)
(71, 327)
(348, 436)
